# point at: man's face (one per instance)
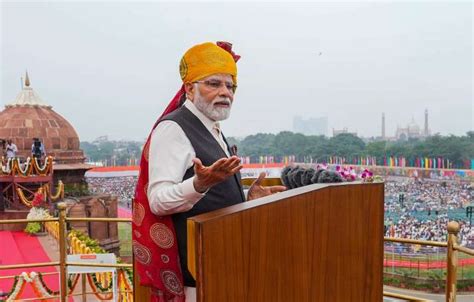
(213, 96)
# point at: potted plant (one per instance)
(33, 228)
(37, 212)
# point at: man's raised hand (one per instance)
(257, 190)
(206, 177)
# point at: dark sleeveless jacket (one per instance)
(224, 194)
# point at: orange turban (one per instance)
(206, 59)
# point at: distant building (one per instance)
(383, 126)
(411, 130)
(101, 139)
(427, 131)
(311, 126)
(344, 130)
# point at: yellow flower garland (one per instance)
(79, 247)
(24, 200)
(46, 190)
(13, 167)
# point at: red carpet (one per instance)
(124, 213)
(19, 248)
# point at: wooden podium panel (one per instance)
(316, 243)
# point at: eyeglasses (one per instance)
(216, 84)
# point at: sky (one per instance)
(110, 68)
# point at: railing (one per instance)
(452, 258)
(57, 227)
(404, 297)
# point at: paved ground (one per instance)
(433, 297)
(52, 250)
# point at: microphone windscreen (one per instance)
(296, 176)
(306, 177)
(329, 177)
(315, 177)
(284, 176)
(324, 177)
(290, 177)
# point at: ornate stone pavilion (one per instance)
(28, 117)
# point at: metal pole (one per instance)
(453, 230)
(393, 258)
(84, 297)
(418, 268)
(2, 200)
(62, 250)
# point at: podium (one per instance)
(315, 243)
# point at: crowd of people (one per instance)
(123, 187)
(414, 208)
(421, 209)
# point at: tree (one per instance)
(458, 149)
(346, 145)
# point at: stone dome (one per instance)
(413, 127)
(28, 117)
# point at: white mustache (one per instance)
(223, 101)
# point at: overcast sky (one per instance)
(111, 68)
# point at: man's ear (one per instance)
(190, 90)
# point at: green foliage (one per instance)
(95, 247)
(125, 233)
(467, 284)
(391, 281)
(76, 190)
(121, 151)
(458, 149)
(256, 145)
(346, 145)
(436, 275)
(33, 227)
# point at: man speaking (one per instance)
(187, 169)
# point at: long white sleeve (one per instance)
(170, 155)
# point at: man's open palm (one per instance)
(206, 177)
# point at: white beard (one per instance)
(208, 108)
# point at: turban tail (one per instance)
(155, 247)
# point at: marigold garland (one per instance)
(17, 170)
(59, 191)
(24, 200)
(81, 244)
(13, 166)
(38, 284)
(6, 166)
(100, 296)
(46, 169)
(45, 190)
